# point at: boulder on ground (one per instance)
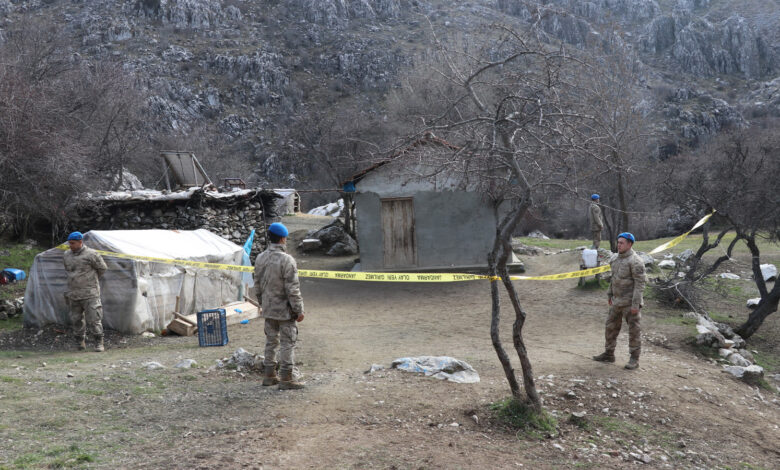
(538, 234)
(738, 360)
(667, 264)
(523, 249)
(769, 271)
(646, 259)
(310, 244)
(750, 374)
(753, 303)
(342, 249)
(335, 240)
(683, 257)
(728, 276)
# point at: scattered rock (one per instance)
(243, 358)
(747, 355)
(725, 352)
(343, 249)
(147, 334)
(667, 264)
(646, 259)
(152, 365)
(310, 244)
(738, 360)
(728, 276)
(186, 364)
(374, 368)
(538, 234)
(335, 240)
(527, 250)
(769, 271)
(753, 303)
(683, 257)
(750, 374)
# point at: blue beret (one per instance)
(75, 236)
(594, 196)
(628, 236)
(278, 229)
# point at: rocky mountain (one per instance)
(240, 69)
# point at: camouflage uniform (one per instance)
(84, 268)
(279, 294)
(625, 291)
(596, 224)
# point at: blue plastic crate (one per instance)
(212, 327)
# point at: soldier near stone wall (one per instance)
(625, 300)
(596, 220)
(84, 268)
(279, 294)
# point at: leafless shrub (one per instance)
(66, 127)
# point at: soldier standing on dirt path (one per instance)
(84, 267)
(596, 220)
(279, 294)
(625, 300)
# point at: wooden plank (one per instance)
(182, 328)
(400, 250)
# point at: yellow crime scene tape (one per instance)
(392, 277)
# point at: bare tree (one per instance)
(66, 127)
(620, 134)
(519, 115)
(735, 175)
(336, 143)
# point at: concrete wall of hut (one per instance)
(453, 228)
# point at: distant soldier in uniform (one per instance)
(596, 221)
(279, 293)
(625, 300)
(84, 267)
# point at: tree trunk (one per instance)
(495, 319)
(623, 204)
(769, 300)
(517, 334)
(497, 261)
(766, 307)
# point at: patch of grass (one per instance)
(594, 284)
(705, 351)
(763, 384)
(767, 360)
(10, 380)
(520, 416)
(12, 324)
(55, 457)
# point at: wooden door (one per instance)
(398, 240)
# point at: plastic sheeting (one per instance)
(139, 295)
(440, 367)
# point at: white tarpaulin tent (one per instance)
(139, 295)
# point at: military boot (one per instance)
(606, 356)
(633, 363)
(287, 382)
(99, 344)
(269, 376)
(82, 343)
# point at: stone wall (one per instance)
(232, 219)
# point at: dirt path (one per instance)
(676, 411)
